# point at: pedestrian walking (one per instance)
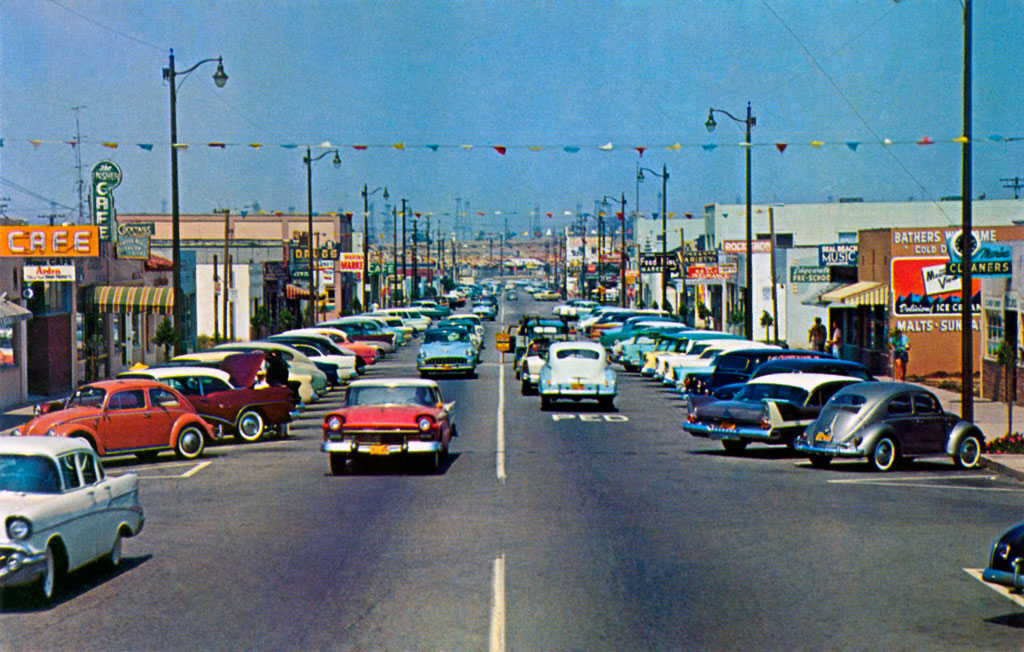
(836, 343)
(900, 354)
(817, 335)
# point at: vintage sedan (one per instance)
(240, 409)
(60, 511)
(886, 422)
(485, 310)
(772, 409)
(576, 371)
(447, 351)
(1006, 560)
(127, 416)
(401, 417)
(536, 353)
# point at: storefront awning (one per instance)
(862, 293)
(293, 292)
(122, 298)
(11, 312)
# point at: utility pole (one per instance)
(405, 299)
(393, 278)
(227, 267)
(1014, 182)
(414, 291)
(430, 272)
(78, 166)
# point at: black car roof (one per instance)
(809, 364)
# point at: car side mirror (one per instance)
(448, 407)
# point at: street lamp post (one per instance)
(366, 238)
(308, 160)
(748, 122)
(664, 229)
(219, 78)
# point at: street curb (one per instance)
(993, 463)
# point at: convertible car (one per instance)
(446, 351)
(771, 409)
(576, 371)
(127, 415)
(240, 409)
(403, 417)
(885, 422)
(60, 511)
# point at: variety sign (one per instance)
(105, 177)
(44, 241)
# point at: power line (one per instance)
(108, 28)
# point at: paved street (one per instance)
(566, 530)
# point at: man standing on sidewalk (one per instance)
(900, 354)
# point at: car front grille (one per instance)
(392, 437)
(445, 360)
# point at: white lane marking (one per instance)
(593, 418)
(500, 456)
(497, 638)
(1001, 590)
(917, 482)
(187, 474)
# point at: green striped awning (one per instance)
(123, 298)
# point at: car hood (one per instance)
(242, 367)
(448, 348)
(383, 416)
(41, 424)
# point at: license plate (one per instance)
(446, 367)
(576, 386)
(379, 449)
(728, 426)
(822, 436)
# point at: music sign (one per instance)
(837, 255)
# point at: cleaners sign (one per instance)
(105, 177)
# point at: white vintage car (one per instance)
(576, 371)
(60, 511)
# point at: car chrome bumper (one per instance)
(827, 449)
(19, 566)
(1003, 578)
(349, 447)
(446, 368)
(731, 434)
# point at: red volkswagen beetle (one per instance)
(402, 417)
(133, 415)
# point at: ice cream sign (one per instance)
(105, 177)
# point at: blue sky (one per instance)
(515, 74)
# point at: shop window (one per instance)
(993, 333)
(7, 347)
(49, 298)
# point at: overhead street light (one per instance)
(748, 122)
(308, 160)
(170, 74)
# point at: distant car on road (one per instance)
(447, 351)
(396, 417)
(576, 371)
(60, 511)
(886, 422)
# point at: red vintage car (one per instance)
(226, 397)
(130, 415)
(403, 417)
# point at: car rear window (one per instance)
(849, 400)
(586, 354)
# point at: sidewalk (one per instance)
(990, 417)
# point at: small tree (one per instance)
(1006, 355)
(737, 316)
(166, 337)
(357, 306)
(766, 323)
(260, 320)
(703, 311)
(286, 320)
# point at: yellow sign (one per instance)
(503, 342)
(43, 241)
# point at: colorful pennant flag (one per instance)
(606, 147)
(110, 145)
(500, 149)
(926, 141)
(640, 151)
(399, 145)
(852, 144)
(146, 146)
(781, 147)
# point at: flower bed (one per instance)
(1007, 444)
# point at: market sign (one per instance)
(47, 241)
(803, 274)
(105, 177)
(651, 263)
(350, 262)
(836, 255)
(32, 273)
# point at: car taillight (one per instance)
(691, 417)
(766, 422)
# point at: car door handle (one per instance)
(147, 416)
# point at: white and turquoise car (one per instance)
(576, 371)
(446, 351)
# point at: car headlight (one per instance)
(18, 528)
(421, 354)
(424, 423)
(1003, 550)
(334, 422)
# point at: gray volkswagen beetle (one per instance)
(885, 422)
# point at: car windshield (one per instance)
(32, 474)
(759, 391)
(87, 397)
(445, 336)
(391, 395)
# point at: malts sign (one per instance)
(46, 241)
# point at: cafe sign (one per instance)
(49, 241)
(105, 177)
